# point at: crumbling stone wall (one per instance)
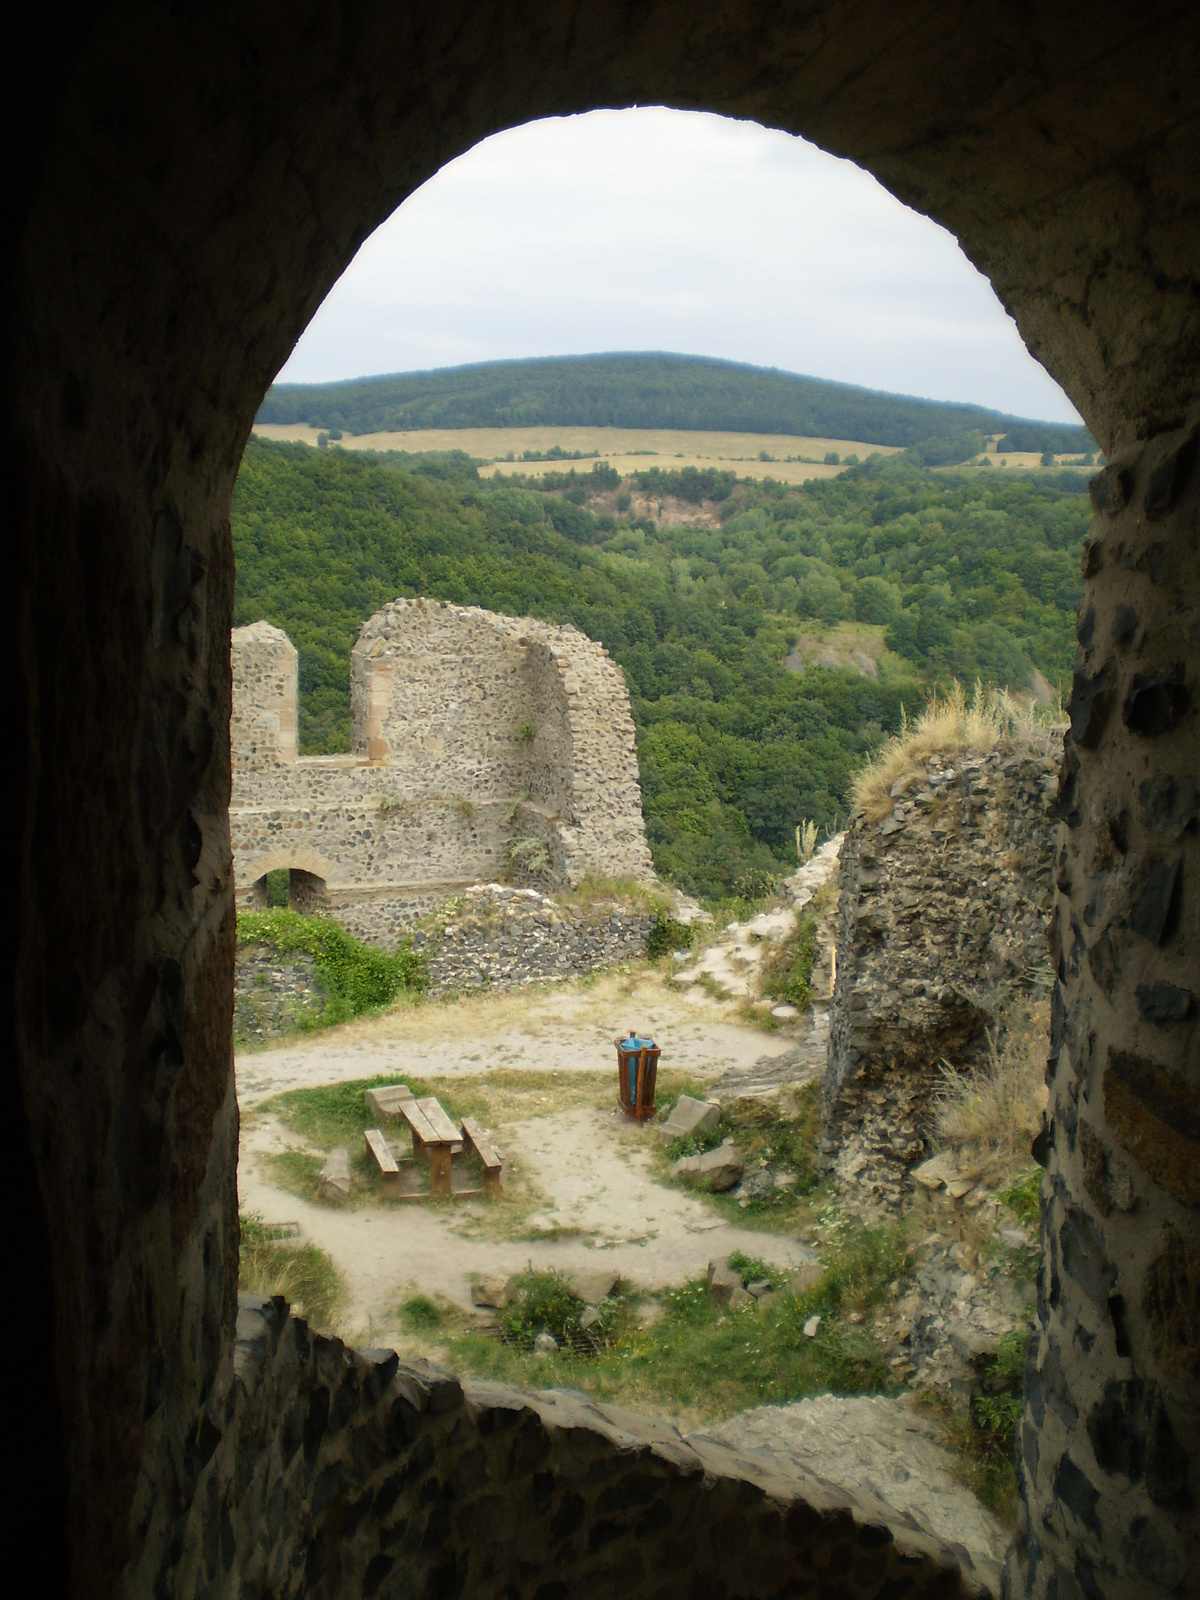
(942, 924)
(481, 744)
(324, 1470)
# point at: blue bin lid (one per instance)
(634, 1043)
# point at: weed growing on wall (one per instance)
(985, 1437)
(359, 978)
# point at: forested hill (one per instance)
(648, 391)
(962, 575)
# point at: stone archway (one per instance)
(184, 188)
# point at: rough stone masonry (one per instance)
(942, 923)
(483, 746)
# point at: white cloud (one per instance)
(666, 230)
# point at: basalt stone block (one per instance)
(1157, 702)
(1157, 892)
(1092, 696)
(1169, 479)
(1125, 625)
(1109, 492)
(1130, 1433)
(1164, 1002)
(1156, 1119)
(1169, 804)
(1171, 1304)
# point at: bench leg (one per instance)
(491, 1182)
(389, 1185)
(439, 1170)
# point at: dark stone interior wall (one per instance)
(181, 187)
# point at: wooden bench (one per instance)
(475, 1139)
(389, 1172)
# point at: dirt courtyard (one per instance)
(591, 1194)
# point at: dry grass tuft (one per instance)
(949, 725)
(990, 1116)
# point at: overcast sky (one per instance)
(667, 230)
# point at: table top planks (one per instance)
(412, 1113)
(444, 1131)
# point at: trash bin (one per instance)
(637, 1069)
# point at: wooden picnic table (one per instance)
(433, 1136)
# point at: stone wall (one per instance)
(482, 744)
(317, 1469)
(942, 923)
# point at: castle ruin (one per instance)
(483, 746)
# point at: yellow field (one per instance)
(628, 450)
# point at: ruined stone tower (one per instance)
(483, 746)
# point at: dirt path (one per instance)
(593, 1169)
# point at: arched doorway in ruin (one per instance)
(191, 185)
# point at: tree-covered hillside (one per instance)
(963, 575)
(655, 391)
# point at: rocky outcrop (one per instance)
(941, 925)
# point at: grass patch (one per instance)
(951, 725)
(786, 973)
(420, 1314)
(1022, 1197)
(984, 1439)
(989, 1116)
(336, 1114)
(302, 1274)
(358, 978)
(705, 1364)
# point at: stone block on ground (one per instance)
(386, 1102)
(335, 1174)
(722, 1281)
(800, 1282)
(740, 1298)
(493, 1289)
(689, 1116)
(716, 1170)
(941, 1169)
(592, 1284)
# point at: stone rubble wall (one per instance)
(317, 1469)
(942, 924)
(473, 734)
(504, 938)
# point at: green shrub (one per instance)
(667, 935)
(1021, 1197)
(545, 1303)
(359, 977)
(420, 1313)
